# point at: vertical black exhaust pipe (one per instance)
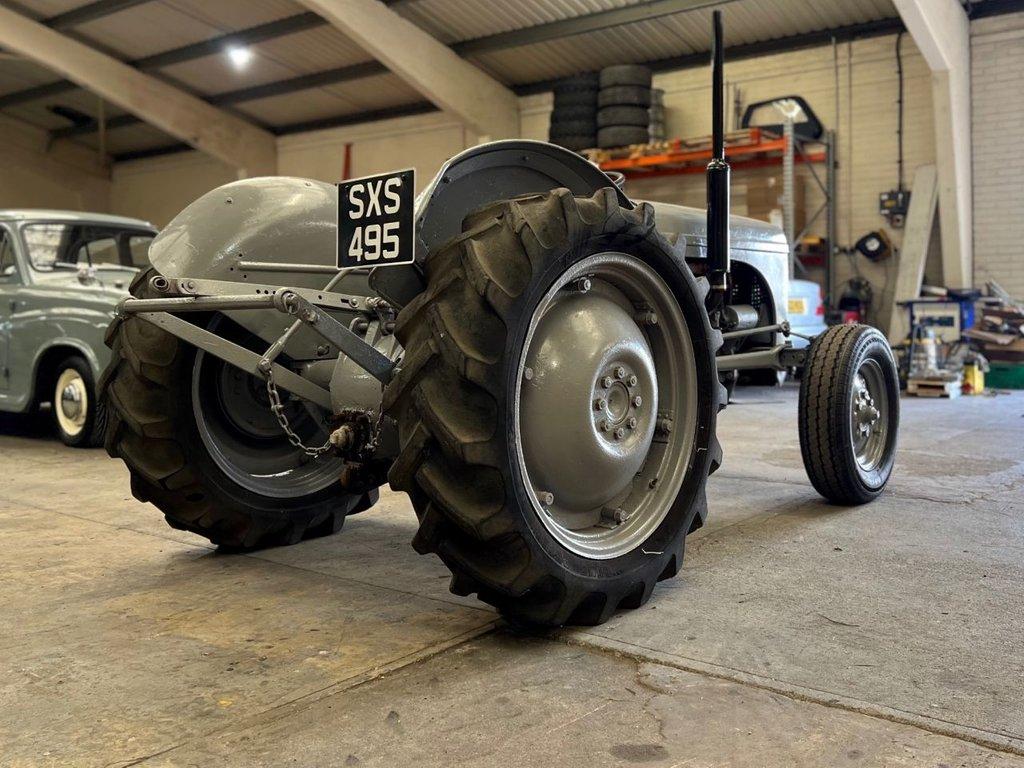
(718, 176)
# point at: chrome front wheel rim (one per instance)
(869, 416)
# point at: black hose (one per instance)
(899, 107)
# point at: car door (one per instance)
(10, 281)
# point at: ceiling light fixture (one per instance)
(240, 56)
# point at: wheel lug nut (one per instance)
(605, 426)
(599, 404)
(638, 401)
(528, 373)
(664, 426)
(646, 318)
(620, 433)
(632, 422)
(632, 381)
(606, 382)
(546, 498)
(620, 372)
(583, 284)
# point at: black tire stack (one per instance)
(574, 117)
(624, 100)
(657, 113)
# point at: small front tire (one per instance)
(849, 414)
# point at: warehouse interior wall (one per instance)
(997, 59)
(864, 117)
(157, 188)
(37, 175)
(853, 88)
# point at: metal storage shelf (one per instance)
(745, 149)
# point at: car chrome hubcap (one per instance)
(606, 370)
(71, 401)
(869, 423)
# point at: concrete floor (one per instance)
(797, 634)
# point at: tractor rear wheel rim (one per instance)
(232, 415)
(605, 405)
(869, 415)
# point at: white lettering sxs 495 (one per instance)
(375, 220)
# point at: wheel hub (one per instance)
(71, 401)
(585, 428)
(618, 402)
(868, 415)
(607, 368)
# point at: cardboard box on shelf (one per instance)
(760, 197)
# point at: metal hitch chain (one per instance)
(278, 408)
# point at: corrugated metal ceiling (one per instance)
(157, 26)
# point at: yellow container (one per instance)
(974, 380)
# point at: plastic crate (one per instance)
(1005, 376)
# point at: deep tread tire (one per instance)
(611, 116)
(585, 81)
(565, 128)
(453, 398)
(150, 425)
(575, 100)
(626, 75)
(824, 413)
(96, 418)
(622, 136)
(586, 113)
(624, 96)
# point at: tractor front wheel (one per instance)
(849, 413)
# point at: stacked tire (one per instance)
(657, 115)
(624, 100)
(574, 116)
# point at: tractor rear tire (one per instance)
(849, 413)
(151, 425)
(456, 401)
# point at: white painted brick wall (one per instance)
(997, 93)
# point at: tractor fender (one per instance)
(477, 177)
(277, 219)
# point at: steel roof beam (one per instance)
(699, 59)
(578, 25)
(91, 12)
(225, 136)
(260, 33)
(425, 63)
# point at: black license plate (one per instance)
(375, 220)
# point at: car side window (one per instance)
(8, 265)
(70, 246)
(101, 251)
(138, 247)
(46, 244)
